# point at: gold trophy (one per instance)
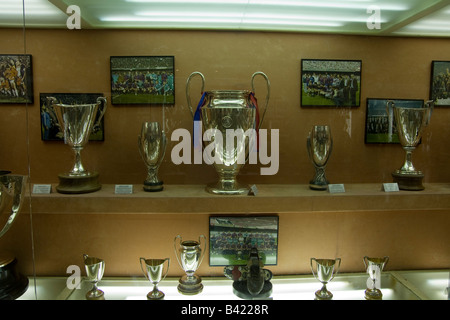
(12, 190)
(374, 266)
(190, 254)
(319, 145)
(77, 123)
(325, 273)
(152, 147)
(224, 113)
(410, 123)
(154, 273)
(94, 271)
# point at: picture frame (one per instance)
(440, 83)
(232, 237)
(142, 80)
(330, 83)
(16, 79)
(380, 128)
(50, 131)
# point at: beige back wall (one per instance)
(78, 61)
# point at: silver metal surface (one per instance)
(319, 145)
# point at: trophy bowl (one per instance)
(77, 122)
(410, 123)
(95, 268)
(190, 254)
(153, 271)
(152, 147)
(325, 272)
(319, 145)
(230, 121)
(374, 266)
(12, 190)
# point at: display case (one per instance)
(118, 166)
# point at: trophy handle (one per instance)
(364, 260)
(312, 269)
(167, 270)
(50, 102)
(188, 84)
(389, 105)
(430, 105)
(267, 96)
(18, 193)
(176, 250)
(140, 262)
(102, 107)
(204, 248)
(337, 271)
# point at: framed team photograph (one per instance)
(50, 131)
(142, 80)
(440, 83)
(231, 239)
(380, 127)
(330, 83)
(16, 79)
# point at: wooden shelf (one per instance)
(193, 199)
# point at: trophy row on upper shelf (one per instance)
(218, 113)
(251, 281)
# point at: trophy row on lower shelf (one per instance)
(219, 113)
(251, 281)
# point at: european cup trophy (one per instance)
(326, 271)
(12, 190)
(153, 271)
(152, 147)
(410, 123)
(77, 123)
(190, 254)
(94, 271)
(228, 116)
(319, 145)
(374, 266)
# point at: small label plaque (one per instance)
(390, 187)
(253, 190)
(123, 189)
(336, 188)
(42, 188)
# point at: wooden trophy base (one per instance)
(410, 182)
(12, 283)
(72, 184)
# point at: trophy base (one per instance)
(410, 182)
(240, 290)
(95, 295)
(155, 295)
(72, 184)
(153, 186)
(191, 286)
(231, 188)
(318, 186)
(373, 294)
(12, 283)
(321, 295)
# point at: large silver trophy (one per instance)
(410, 123)
(374, 266)
(95, 268)
(12, 190)
(326, 270)
(154, 273)
(152, 147)
(228, 116)
(77, 122)
(190, 254)
(319, 145)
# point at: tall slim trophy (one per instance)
(232, 119)
(154, 272)
(410, 123)
(12, 190)
(374, 266)
(152, 147)
(77, 123)
(190, 254)
(326, 270)
(319, 145)
(94, 271)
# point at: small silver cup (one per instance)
(374, 266)
(325, 273)
(94, 271)
(153, 271)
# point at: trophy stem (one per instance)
(408, 178)
(324, 294)
(319, 182)
(227, 184)
(408, 165)
(78, 165)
